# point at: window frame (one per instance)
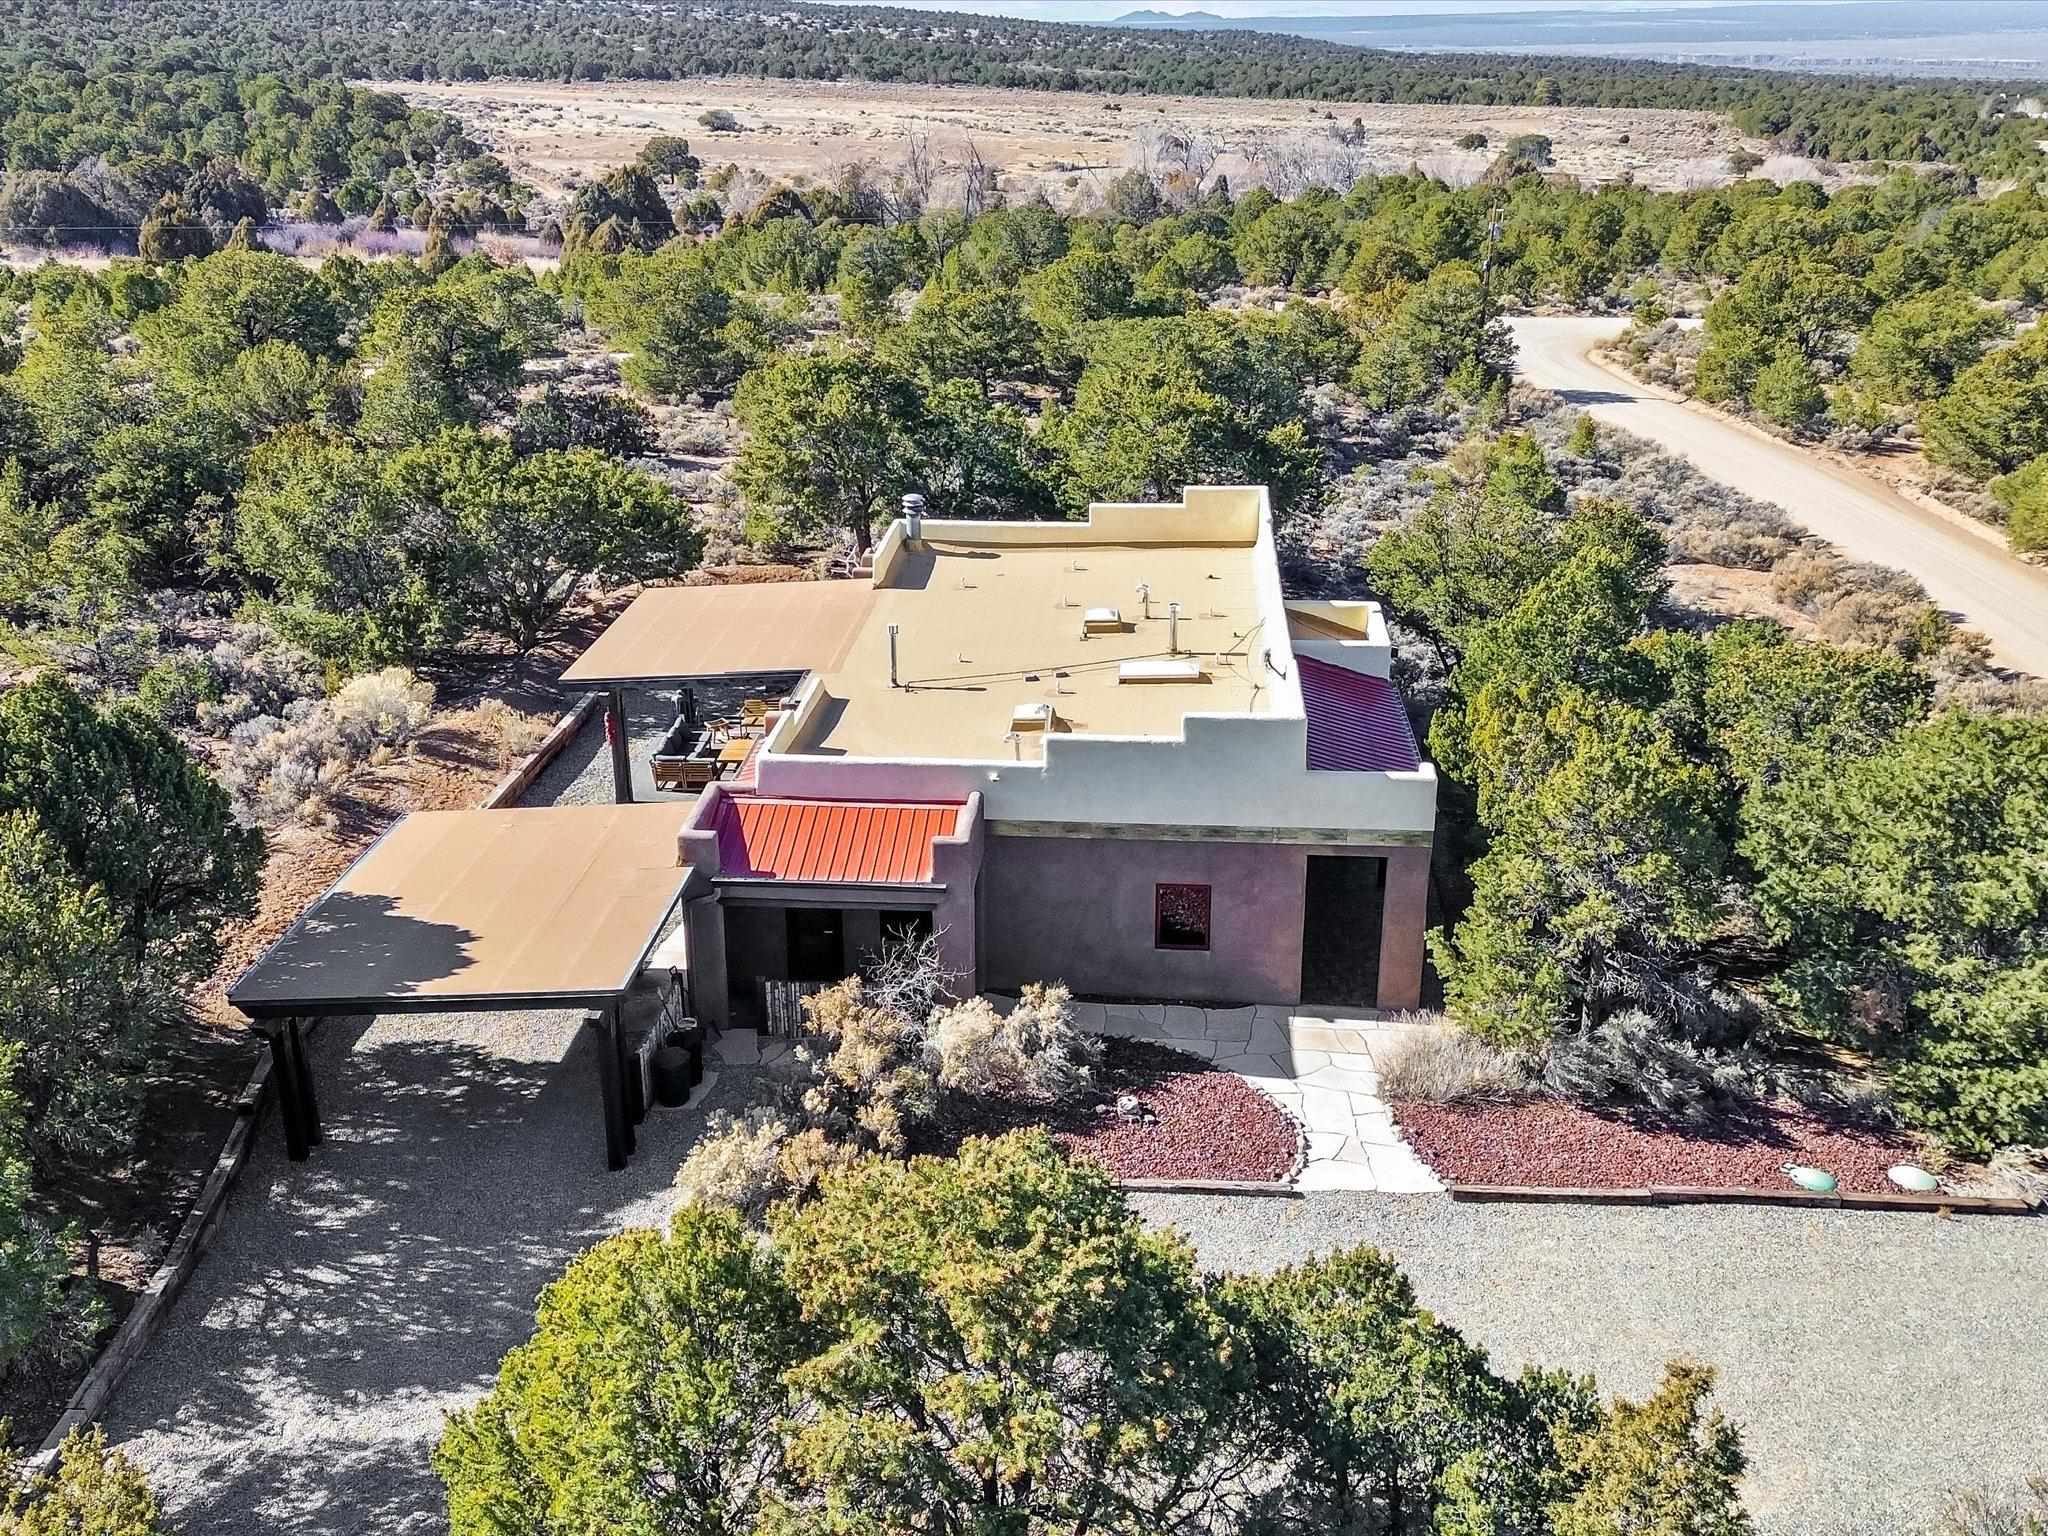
(1160, 888)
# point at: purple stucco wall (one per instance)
(1080, 910)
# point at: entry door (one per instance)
(1340, 935)
(817, 944)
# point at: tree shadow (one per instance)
(352, 1300)
(350, 945)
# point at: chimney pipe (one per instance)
(913, 516)
(1173, 629)
(892, 658)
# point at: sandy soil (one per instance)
(1983, 586)
(1065, 143)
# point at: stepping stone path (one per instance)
(1316, 1063)
(1320, 1064)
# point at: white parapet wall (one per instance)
(1240, 773)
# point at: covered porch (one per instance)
(462, 912)
(678, 639)
(808, 891)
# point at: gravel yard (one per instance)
(350, 1300)
(1875, 1361)
(1568, 1146)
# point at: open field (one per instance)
(1067, 144)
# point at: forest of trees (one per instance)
(91, 157)
(1832, 117)
(246, 500)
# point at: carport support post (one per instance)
(622, 757)
(309, 1102)
(611, 1087)
(291, 1086)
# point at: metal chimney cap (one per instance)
(913, 504)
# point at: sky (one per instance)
(1105, 10)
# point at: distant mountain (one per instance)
(1167, 19)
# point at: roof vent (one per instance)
(913, 516)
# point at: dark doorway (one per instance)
(1340, 931)
(817, 944)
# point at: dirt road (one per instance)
(1982, 585)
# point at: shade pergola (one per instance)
(552, 907)
(678, 635)
(673, 634)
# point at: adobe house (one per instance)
(1108, 752)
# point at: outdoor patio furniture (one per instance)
(753, 713)
(683, 761)
(734, 754)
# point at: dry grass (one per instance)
(1437, 1063)
(1066, 144)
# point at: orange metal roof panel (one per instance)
(844, 842)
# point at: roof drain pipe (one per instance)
(892, 658)
(1173, 629)
(913, 518)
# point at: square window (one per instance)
(1180, 917)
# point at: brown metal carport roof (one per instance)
(672, 633)
(555, 906)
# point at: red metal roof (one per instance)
(1356, 723)
(848, 842)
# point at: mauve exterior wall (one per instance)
(1080, 910)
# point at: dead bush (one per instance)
(1034, 1052)
(1442, 1064)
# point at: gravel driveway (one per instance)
(352, 1299)
(1874, 1361)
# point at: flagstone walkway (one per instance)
(1317, 1063)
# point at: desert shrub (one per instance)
(1447, 1065)
(1742, 543)
(1033, 1052)
(1632, 1059)
(91, 1491)
(866, 1081)
(2023, 1513)
(1885, 620)
(738, 1163)
(283, 766)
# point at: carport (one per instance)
(469, 911)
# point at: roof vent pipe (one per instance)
(892, 658)
(913, 517)
(1173, 629)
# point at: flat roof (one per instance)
(556, 905)
(985, 629)
(668, 634)
(849, 842)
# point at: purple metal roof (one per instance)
(1356, 723)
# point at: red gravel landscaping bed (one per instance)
(1208, 1123)
(1562, 1146)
